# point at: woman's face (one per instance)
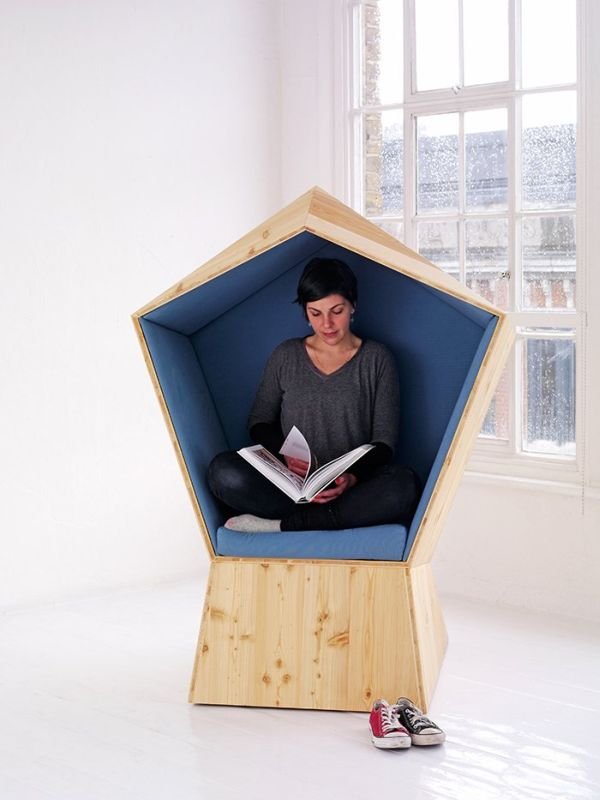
(330, 318)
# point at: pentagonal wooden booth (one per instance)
(321, 619)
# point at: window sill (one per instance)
(495, 458)
(531, 484)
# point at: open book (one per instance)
(301, 490)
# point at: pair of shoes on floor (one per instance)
(401, 725)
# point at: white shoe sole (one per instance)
(391, 742)
(426, 739)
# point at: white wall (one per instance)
(512, 542)
(137, 140)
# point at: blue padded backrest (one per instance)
(231, 325)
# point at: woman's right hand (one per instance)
(297, 466)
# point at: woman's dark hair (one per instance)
(325, 276)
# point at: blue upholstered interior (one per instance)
(210, 345)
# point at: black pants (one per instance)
(391, 494)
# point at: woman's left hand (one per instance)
(345, 481)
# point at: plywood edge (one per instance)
(284, 225)
(266, 560)
(173, 436)
(194, 692)
(463, 442)
(430, 637)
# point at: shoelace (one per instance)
(389, 720)
(418, 720)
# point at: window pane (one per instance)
(485, 26)
(548, 54)
(486, 161)
(396, 228)
(549, 395)
(438, 241)
(383, 53)
(437, 43)
(548, 151)
(486, 245)
(549, 262)
(383, 154)
(437, 163)
(495, 424)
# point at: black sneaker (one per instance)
(422, 730)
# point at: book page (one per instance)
(333, 469)
(296, 446)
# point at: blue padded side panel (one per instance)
(377, 543)
(191, 408)
(209, 301)
(449, 434)
(234, 349)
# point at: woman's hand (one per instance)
(297, 466)
(345, 481)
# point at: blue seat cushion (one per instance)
(376, 543)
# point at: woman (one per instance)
(341, 392)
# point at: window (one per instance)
(464, 146)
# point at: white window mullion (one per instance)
(353, 95)
(462, 199)
(517, 396)
(409, 125)
(515, 366)
(410, 179)
(358, 171)
(410, 49)
(461, 46)
(583, 252)
(514, 43)
(462, 245)
(516, 390)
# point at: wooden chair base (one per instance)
(318, 636)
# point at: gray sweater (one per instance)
(354, 405)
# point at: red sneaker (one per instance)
(387, 732)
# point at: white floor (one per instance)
(93, 705)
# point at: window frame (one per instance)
(504, 457)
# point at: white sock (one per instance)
(251, 524)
